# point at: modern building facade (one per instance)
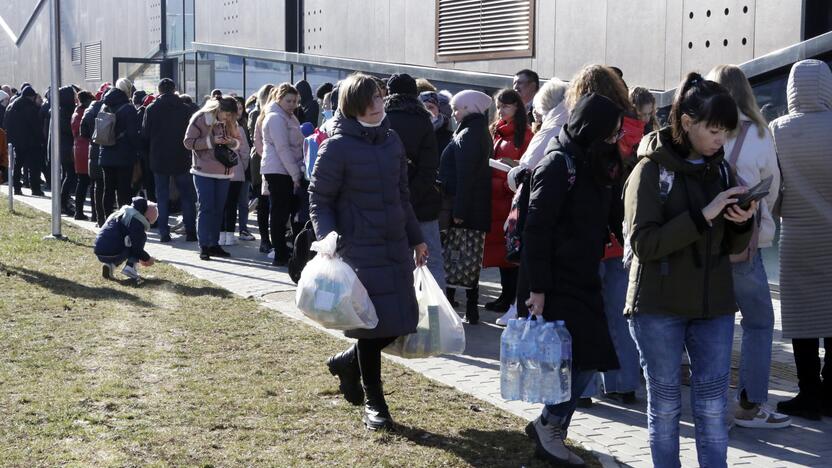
(239, 45)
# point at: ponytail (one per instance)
(703, 101)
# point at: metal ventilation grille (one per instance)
(468, 29)
(92, 61)
(76, 55)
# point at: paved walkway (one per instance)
(616, 433)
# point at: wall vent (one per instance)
(480, 29)
(92, 61)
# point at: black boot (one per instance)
(472, 311)
(376, 414)
(807, 404)
(450, 293)
(204, 253)
(345, 366)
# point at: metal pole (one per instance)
(55, 129)
(11, 177)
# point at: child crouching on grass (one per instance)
(123, 236)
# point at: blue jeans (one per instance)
(185, 186)
(436, 266)
(211, 194)
(627, 378)
(754, 298)
(561, 413)
(660, 340)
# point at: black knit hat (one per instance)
(27, 91)
(140, 204)
(402, 84)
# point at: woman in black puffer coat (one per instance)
(359, 190)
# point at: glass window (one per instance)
(316, 76)
(190, 19)
(189, 79)
(771, 96)
(175, 25)
(145, 76)
(218, 71)
(260, 72)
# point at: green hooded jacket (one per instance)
(680, 264)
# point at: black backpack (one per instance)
(302, 253)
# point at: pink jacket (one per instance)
(282, 144)
(199, 138)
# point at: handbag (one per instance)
(462, 254)
(226, 156)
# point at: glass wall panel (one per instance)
(260, 72)
(316, 76)
(145, 76)
(175, 25)
(218, 71)
(190, 76)
(190, 19)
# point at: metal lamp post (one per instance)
(55, 140)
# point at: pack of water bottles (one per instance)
(536, 362)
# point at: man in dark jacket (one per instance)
(165, 123)
(23, 125)
(96, 174)
(118, 160)
(308, 109)
(123, 237)
(66, 106)
(412, 122)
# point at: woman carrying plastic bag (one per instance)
(330, 293)
(440, 330)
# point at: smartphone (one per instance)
(755, 193)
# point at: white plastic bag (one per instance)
(330, 293)
(440, 329)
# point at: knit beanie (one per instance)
(27, 91)
(402, 84)
(307, 129)
(471, 100)
(140, 204)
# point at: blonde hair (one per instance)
(263, 95)
(735, 81)
(125, 86)
(549, 96)
(280, 91)
(602, 80)
(423, 85)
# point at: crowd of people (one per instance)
(632, 231)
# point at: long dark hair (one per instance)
(703, 101)
(521, 120)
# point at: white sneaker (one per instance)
(511, 314)
(131, 272)
(270, 255)
(761, 417)
(221, 241)
(230, 238)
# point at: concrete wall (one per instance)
(131, 30)
(647, 39)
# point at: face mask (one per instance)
(438, 121)
(328, 113)
(370, 125)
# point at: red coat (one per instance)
(81, 147)
(501, 195)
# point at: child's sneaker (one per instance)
(107, 270)
(130, 271)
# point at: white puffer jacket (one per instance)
(282, 144)
(758, 160)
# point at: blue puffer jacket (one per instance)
(111, 239)
(128, 141)
(359, 189)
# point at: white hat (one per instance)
(471, 100)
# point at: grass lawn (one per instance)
(180, 372)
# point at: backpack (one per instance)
(516, 221)
(302, 252)
(105, 127)
(666, 178)
(311, 144)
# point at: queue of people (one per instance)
(636, 235)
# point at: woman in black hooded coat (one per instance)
(570, 208)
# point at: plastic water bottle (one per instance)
(510, 367)
(565, 368)
(529, 357)
(550, 357)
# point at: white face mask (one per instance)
(372, 125)
(438, 121)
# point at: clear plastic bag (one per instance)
(330, 293)
(440, 329)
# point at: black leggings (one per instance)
(229, 220)
(117, 179)
(97, 193)
(81, 194)
(281, 189)
(263, 215)
(369, 359)
(69, 180)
